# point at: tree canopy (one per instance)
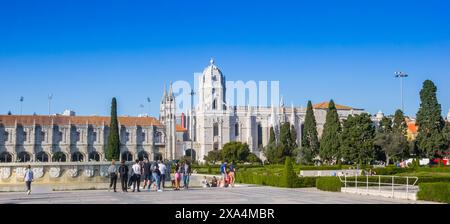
(330, 144)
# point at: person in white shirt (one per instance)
(162, 169)
(28, 178)
(137, 175)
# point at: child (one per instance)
(205, 183)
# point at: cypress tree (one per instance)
(399, 125)
(357, 139)
(113, 150)
(430, 139)
(329, 144)
(289, 175)
(399, 135)
(272, 136)
(310, 141)
(293, 137)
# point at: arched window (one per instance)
(77, 157)
(142, 155)
(94, 156)
(191, 154)
(5, 157)
(157, 156)
(24, 157)
(42, 157)
(127, 156)
(59, 157)
(158, 137)
(216, 130)
(236, 129)
(260, 135)
(214, 106)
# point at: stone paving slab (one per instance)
(238, 195)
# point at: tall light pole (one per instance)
(142, 109)
(401, 76)
(192, 93)
(21, 104)
(149, 105)
(50, 97)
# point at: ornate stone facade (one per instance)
(212, 122)
(76, 138)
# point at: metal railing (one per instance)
(385, 184)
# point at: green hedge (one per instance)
(329, 184)
(374, 179)
(439, 192)
(274, 180)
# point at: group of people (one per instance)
(154, 175)
(227, 179)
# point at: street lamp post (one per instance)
(401, 76)
(149, 105)
(192, 93)
(50, 97)
(21, 104)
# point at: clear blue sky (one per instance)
(85, 52)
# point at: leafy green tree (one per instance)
(446, 132)
(393, 144)
(385, 125)
(271, 151)
(430, 139)
(276, 153)
(235, 151)
(252, 158)
(330, 144)
(310, 142)
(113, 150)
(357, 139)
(213, 156)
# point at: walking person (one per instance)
(136, 176)
(162, 169)
(123, 171)
(223, 170)
(147, 174)
(186, 175)
(157, 177)
(112, 170)
(232, 173)
(28, 178)
(177, 177)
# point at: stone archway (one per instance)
(191, 153)
(157, 156)
(42, 157)
(59, 157)
(127, 156)
(94, 156)
(143, 155)
(5, 157)
(77, 157)
(24, 157)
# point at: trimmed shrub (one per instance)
(288, 174)
(329, 184)
(439, 192)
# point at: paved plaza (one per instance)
(238, 195)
